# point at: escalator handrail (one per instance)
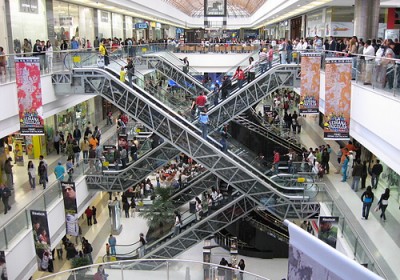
(184, 125)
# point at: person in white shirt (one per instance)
(49, 56)
(369, 52)
(305, 45)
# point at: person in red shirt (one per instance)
(201, 101)
(240, 76)
(89, 215)
(277, 159)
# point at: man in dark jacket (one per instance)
(5, 195)
(375, 173)
(325, 160)
(225, 88)
(357, 173)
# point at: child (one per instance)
(122, 75)
(107, 249)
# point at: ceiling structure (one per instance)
(235, 8)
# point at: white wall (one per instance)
(374, 124)
(56, 218)
(21, 259)
(52, 104)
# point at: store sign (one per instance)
(142, 25)
(339, 29)
(104, 16)
(29, 93)
(337, 98)
(66, 21)
(29, 6)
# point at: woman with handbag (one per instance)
(383, 203)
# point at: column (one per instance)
(366, 18)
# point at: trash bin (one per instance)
(192, 207)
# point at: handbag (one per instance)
(385, 202)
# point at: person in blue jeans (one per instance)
(344, 169)
(367, 199)
(203, 120)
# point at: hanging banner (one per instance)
(71, 208)
(41, 235)
(337, 98)
(310, 258)
(310, 83)
(327, 230)
(29, 92)
(3, 266)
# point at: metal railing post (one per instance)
(167, 270)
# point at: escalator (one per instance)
(254, 188)
(181, 134)
(172, 72)
(261, 80)
(192, 232)
(269, 133)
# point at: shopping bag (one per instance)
(100, 61)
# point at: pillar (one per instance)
(366, 18)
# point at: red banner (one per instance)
(337, 98)
(29, 90)
(310, 80)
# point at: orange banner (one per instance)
(337, 98)
(310, 79)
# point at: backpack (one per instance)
(42, 169)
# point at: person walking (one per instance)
(325, 160)
(275, 162)
(344, 168)
(203, 120)
(376, 171)
(89, 214)
(356, 173)
(113, 242)
(94, 215)
(241, 266)
(133, 207)
(126, 208)
(142, 248)
(367, 199)
(59, 171)
(9, 174)
(5, 193)
(383, 203)
(364, 174)
(42, 171)
(178, 223)
(32, 174)
(56, 141)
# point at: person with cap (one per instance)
(59, 171)
(263, 60)
(203, 120)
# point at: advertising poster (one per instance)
(40, 233)
(337, 98)
(71, 208)
(328, 229)
(342, 29)
(3, 266)
(29, 92)
(19, 152)
(310, 258)
(310, 83)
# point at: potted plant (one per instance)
(160, 215)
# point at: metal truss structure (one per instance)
(206, 228)
(120, 181)
(185, 137)
(194, 188)
(267, 133)
(280, 76)
(187, 82)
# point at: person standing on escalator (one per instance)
(240, 76)
(185, 68)
(130, 71)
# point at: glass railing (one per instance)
(20, 222)
(155, 269)
(356, 243)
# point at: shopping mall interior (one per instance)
(174, 139)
